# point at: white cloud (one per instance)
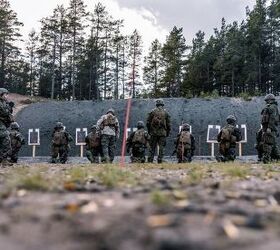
(31, 11)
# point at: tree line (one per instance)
(83, 55)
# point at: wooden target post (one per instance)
(243, 128)
(212, 133)
(34, 139)
(81, 134)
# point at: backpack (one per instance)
(185, 138)
(93, 140)
(110, 120)
(158, 120)
(59, 138)
(139, 137)
(226, 133)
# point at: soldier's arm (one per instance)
(192, 143)
(117, 129)
(69, 137)
(237, 134)
(99, 122)
(219, 136)
(168, 123)
(149, 121)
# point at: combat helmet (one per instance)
(231, 119)
(3, 91)
(112, 111)
(269, 97)
(59, 125)
(140, 124)
(186, 127)
(14, 125)
(159, 102)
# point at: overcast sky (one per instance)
(153, 18)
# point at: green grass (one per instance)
(160, 198)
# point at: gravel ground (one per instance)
(203, 205)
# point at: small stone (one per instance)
(230, 229)
(159, 221)
(91, 207)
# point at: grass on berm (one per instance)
(53, 178)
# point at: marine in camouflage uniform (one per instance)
(17, 140)
(270, 120)
(6, 118)
(185, 144)
(109, 129)
(158, 124)
(138, 141)
(227, 138)
(60, 144)
(93, 145)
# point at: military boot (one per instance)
(6, 163)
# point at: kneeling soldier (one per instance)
(185, 144)
(93, 145)
(138, 141)
(60, 143)
(17, 140)
(227, 138)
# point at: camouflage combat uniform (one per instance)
(60, 144)
(93, 145)
(270, 120)
(227, 138)
(17, 140)
(259, 144)
(185, 145)
(158, 124)
(138, 141)
(109, 128)
(6, 119)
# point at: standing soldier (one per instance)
(138, 141)
(93, 145)
(158, 124)
(6, 119)
(109, 128)
(185, 144)
(17, 140)
(60, 143)
(270, 120)
(227, 138)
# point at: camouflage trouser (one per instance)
(108, 144)
(14, 155)
(138, 155)
(61, 151)
(93, 155)
(184, 154)
(5, 144)
(154, 142)
(226, 154)
(270, 148)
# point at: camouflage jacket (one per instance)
(92, 141)
(6, 117)
(163, 130)
(68, 137)
(270, 116)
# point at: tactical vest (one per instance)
(59, 138)
(185, 139)
(93, 140)
(226, 134)
(158, 120)
(15, 140)
(139, 137)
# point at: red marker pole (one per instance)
(128, 107)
